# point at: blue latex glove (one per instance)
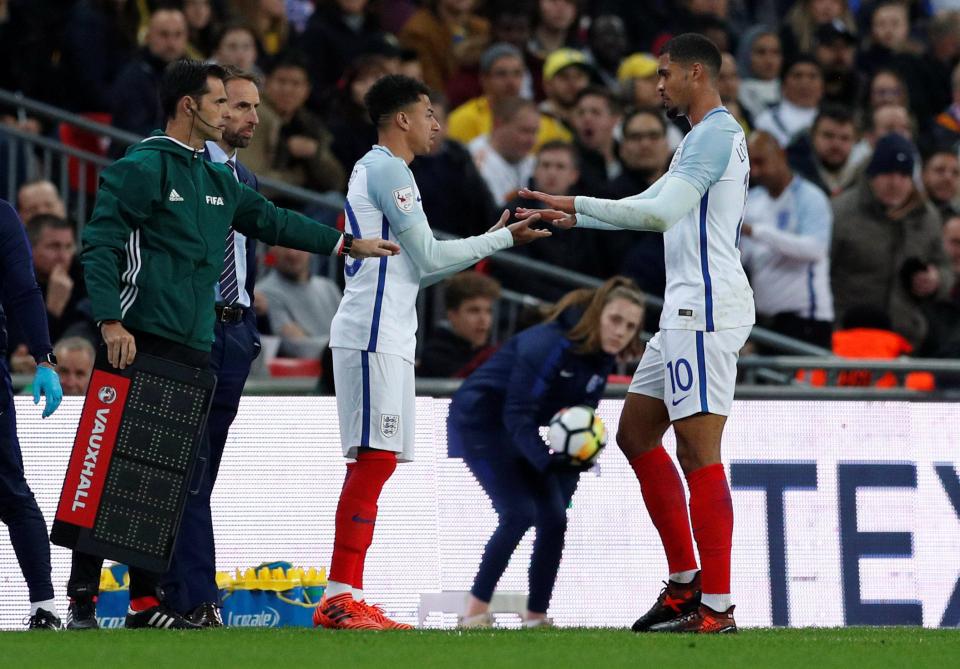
(47, 383)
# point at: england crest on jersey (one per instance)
(389, 425)
(404, 198)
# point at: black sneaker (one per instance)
(82, 614)
(206, 615)
(675, 600)
(158, 617)
(43, 620)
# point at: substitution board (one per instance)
(133, 459)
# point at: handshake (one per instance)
(559, 212)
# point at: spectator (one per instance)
(511, 24)
(58, 273)
(75, 356)
(798, 33)
(135, 99)
(410, 65)
(608, 46)
(759, 60)
(889, 41)
(941, 181)
(101, 40)
(268, 18)
(557, 171)
(802, 91)
(728, 85)
(292, 144)
(501, 77)
(930, 91)
(201, 28)
(946, 130)
(644, 153)
(887, 252)
(824, 156)
(595, 117)
(554, 27)
(943, 316)
(637, 79)
(447, 35)
(39, 197)
(786, 239)
(451, 187)
(886, 119)
(237, 46)
(461, 345)
(353, 132)
(300, 306)
(886, 87)
(337, 34)
(503, 157)
(836, 52)
(566, 72)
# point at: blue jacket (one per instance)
(18, 286)
(499, 409)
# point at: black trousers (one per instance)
(818, 333)
(85, 569)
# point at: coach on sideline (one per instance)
(153, 253)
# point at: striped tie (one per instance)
(229, 290)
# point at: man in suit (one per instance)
(190, 584)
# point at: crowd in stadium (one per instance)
(853, 110)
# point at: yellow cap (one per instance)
(637, 66)
(563, 58)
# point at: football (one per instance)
(578, 432)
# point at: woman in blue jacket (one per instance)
(494, 425)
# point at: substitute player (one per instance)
(688, 372)
(373, 334)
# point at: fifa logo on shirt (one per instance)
(215, 199)
(389, 425)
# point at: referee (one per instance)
(153, 253)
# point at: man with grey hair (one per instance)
(501, 77)
(75, 357)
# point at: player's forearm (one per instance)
(436, 277)
(431, 255)
(797, 247)
(657, 214)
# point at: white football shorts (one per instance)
(691, 371)
(376, 402)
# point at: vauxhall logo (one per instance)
(90, 459)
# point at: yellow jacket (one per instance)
(474, 118)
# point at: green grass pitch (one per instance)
(850, 648)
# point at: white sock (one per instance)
(719, 603)
(50, 606)
(335, 588)
(357, 594)
(683, 576)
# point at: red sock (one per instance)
(711, 513)
(666, 502)
(357, 514)
(143, 603)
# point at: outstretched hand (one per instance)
(564, 203)
(373, 248)
(523, 233)
(557, 219)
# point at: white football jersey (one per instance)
(788, 256)
(707, 288)
(378, 312)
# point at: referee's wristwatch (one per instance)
(347, 244)
(48, 358)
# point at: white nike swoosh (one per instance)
(565, 374)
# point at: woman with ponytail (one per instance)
(494, 425)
